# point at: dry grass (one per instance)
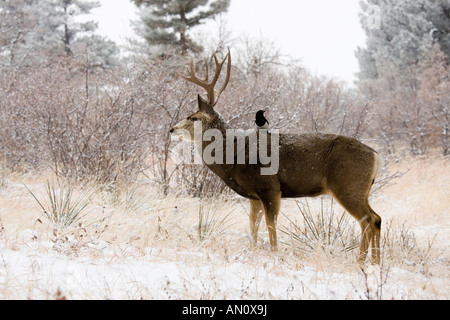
(136, 244)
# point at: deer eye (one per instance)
(194, 119)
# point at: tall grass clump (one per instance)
(125, 196)
(4, 174)
(321, 230)
(211, 221)
(401, 246)
(62, 205)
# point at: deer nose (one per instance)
(172, 130)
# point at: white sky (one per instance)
(324, 34)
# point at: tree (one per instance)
(15, 24)
(39, 29)
(407, 28)
(166, 24)
(434, 93)
(404, 72)
(438, 12)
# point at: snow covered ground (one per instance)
(130, 273)
(153, 253)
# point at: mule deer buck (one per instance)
(309, 165)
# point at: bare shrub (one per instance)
(434, 94)
(86, 124)
(416, 117)
(111, 125)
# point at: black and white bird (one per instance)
(261, 121)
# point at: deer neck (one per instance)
(218, 123)
(212, 144)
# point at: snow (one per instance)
(117, 272)
(131, 277)
(154, 252)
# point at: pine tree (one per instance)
(438, 12)
(166, 24)
(407, 29)
(53, 28)
(15, 24)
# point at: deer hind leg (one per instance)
(366, 237)
(256, 213)
(370, 224)
(271, 205)
(370, 235)
(376, 236)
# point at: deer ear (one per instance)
(203, 105)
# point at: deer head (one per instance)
(206, 113)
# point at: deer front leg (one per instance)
(271, 205)
(256, 213)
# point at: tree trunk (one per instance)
(183, 38)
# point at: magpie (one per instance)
(261, 121)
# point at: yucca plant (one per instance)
(322, 230)
(125, 197)
(4, 171)
(63, 206)
(210, 221)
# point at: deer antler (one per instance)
(209, 86)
